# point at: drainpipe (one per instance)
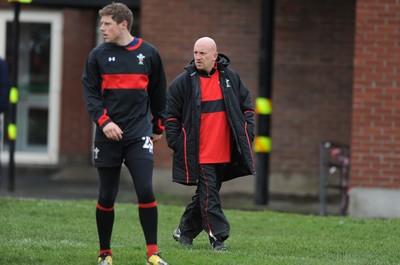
(262, 142)
(12, 127)
(12, 124)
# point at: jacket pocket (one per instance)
(181, 157)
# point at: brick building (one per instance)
(335, 77)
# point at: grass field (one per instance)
(55, 232)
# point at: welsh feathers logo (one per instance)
(228, 83)
(141, 58)
(96, 153)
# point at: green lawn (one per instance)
(53, 232)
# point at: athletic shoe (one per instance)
(219, 246)
(105, 259)
(155, 259)
(184, 240)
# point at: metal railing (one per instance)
(334, 174)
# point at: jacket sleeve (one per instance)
(157, 93)
(173, 124)
(4, 87)
(246, 105)
(92, 93)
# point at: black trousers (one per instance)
(204, 212)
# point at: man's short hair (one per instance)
(118, 12)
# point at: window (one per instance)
(38, 85)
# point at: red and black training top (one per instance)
(125, 85)
(215, 135)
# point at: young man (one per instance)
(210, 124)
(124, 91)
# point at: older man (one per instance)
(210, 127)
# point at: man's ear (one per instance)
(124, 24)
(215, 55)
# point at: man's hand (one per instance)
(113, 132)
(156, 137)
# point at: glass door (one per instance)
(38, 84)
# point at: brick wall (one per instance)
(376, 93)
(174, 26)
(312, 89)
(76, 126)
(312, 86)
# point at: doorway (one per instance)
(39, 82)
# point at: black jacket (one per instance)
(183, 127)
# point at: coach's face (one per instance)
(205, 53)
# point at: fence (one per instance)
(334, 174)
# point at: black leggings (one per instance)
(141, 171)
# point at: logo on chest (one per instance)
(140, 58)
(228, 83)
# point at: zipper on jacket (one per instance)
(225, 96)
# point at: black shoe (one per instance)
(184, 240)
(219, 246)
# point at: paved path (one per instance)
(81, 183)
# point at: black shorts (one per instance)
(113, 154)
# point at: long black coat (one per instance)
(183, 123)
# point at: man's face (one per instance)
(204, 56)
(110, 29)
